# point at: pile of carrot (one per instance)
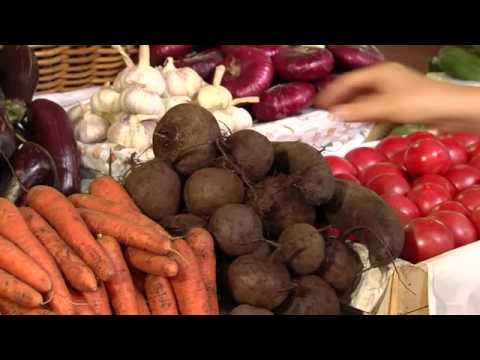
(97, 254)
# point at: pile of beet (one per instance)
(270, 207)
(285, 77)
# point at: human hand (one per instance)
(391, 92)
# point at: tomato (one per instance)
(405, 209)
(452, 206)
(462, 229)
(473, 151)
(476, 219)
(420, 135)
(428, 156)
(340, 165)
(333, 232)
(437, 179)
(388, 184)
(399, 160)
(393, 145)
(475, 162)
(426, 238)
(466, 139)
(427, 196)
(458, 153)
(348, 177)
(463, 176)
(380, 169)
(362, 158)
(470, 198)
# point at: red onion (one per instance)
(283, 101)
(159, 53)
(249, 72)
(303, 64)
(268, 50)
(204, 63)
(351, 57)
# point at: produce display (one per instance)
(431, 182)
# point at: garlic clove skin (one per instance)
(77, 112)
(92, 129)
(130, 132)
(138, 100)
(181, 82)
(214, 97)
(225, 121)
(106, 100)
(243, 119)
(173, 101)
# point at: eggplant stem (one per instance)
(126, 58)
(219, 74)
(246, 100)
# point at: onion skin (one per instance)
(268, 50)
(283, 101)
(249, 72)
(159, 53)
(204, 63)
(351, 57)
(303, 64)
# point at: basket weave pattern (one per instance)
(70, 67)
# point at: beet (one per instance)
(209, 189)
(186, 138)
(180, 225)
(284, 100)
(237, 229)
(313, 176)
(279, 205)
(156, 189)
(160, 53)
(303, 64)
(351, 57)
(313, 297)
(247, 310)
(249, 72)
(204, 63)
(259, 282)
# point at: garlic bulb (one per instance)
(91, 129)
(77, 112)
(130, 132)
(138, 100)
(181, 82)
(233, 119)
(105, 101)
(171, 102)
(142, 74)
(215, 97)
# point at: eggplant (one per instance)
(51, 128)
(32, 165)
(18, 72)
(8, 142)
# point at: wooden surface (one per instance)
(416, 56)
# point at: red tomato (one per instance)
(420, 135)
(405, 209)
(333, 232)
(452, 206)
(427, 196)
(476, 219)
(362, 158)
(426, 238)
(470, 198)
(475, 162)
(428, 156)
(348, 177)
(473, 151)
(380, 169)
(462, 229)
(466, 139)
(437, 179)
(458, 153)
(340, 165)
(388, 184)
(393, 145)
(463, 176)
(399, 160)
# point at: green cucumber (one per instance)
(459, 63)
(408, 129)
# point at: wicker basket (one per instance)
(70, 67)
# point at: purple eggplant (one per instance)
(18, 72)
(31, 165)
(50, 127)
(8, 142)
(351, 57)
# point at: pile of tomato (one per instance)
(431, 182)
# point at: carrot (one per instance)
(77, 273)
(160, 296)
(138, 277)
(40, 312)
(14, 261)
(127, 233)
(9, 308)
(15, 229)
(142, 304)
(108, 188)
(18, 292)
(151, 263)
(203, 246)
(120, 288)
(62, 215)
(98, 300)
(188, 285)
(81, 305)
